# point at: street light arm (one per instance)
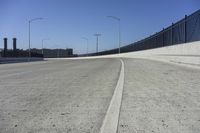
(113, 17)
(97, 34)
(45, 39)
(35, 19)
(85, 38)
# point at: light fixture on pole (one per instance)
(29, 34)
(118, 19)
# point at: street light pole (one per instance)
(87, 43)
(43, 45)
(29, 40)
(29, 34)
(119, 28)
(97, 44)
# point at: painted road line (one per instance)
(111, 119)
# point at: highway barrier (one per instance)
(184, 31)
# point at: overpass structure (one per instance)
(148, 91)
(99, 95)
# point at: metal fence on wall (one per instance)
(183, 31)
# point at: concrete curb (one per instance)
(110, 123)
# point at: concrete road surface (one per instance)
(72, 96)
(160, 98)
(56, 96)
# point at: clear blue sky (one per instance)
(67, 21)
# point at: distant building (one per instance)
(54, 53)
(46, 53)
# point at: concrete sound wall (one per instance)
(188, 53)
(185, 54)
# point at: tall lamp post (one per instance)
(57, 54)
(43, 44)
(87, 44)
(97, 44)
(118, 19)
(29, 33)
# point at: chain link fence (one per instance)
(183, 31)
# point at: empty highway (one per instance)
(74, 96)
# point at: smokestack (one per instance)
(5, 46)
(14, 44)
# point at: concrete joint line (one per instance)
(15, 74)
(110, 123)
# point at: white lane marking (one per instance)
(110, 123)
(15, 74)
